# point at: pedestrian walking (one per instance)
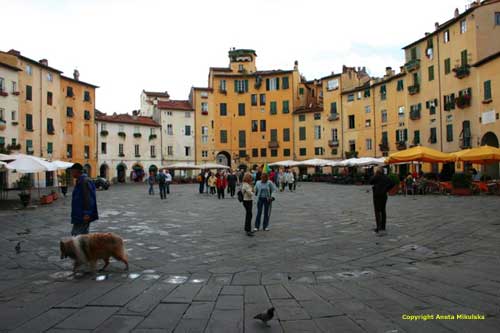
(295, 180)
(232, 181)
(151, 182)
(248, 192)
(201, 181)
(263, 191)
(281, 180)
(83, 202)
(168, 180)
(208, 173)
(162, 183)
(381, 184)
(290, 180)
(221, 184)
(212, 182)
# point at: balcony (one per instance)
(415, 114)
(463, 101)
(122, 134)
(401, 145)
(333, 143)
(205, 113)
(414, 89)
(16, 93)
(3, 124)
(152, 137)
(384, 146)
(333, 116)
(137, 135)
(462, 71)
(51, 131)
(4, 93)
(121, 155)
(412, 65)
(14, 147)
(30, 150)
(222, 90)
(351, 154)
(273, 144)
(104, 133)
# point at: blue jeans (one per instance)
(202, 185)
(262, 202)
(151, 190)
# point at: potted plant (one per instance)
(461, 183)
(24, 185)
(395, 179)
(46, 199)
(54, 195)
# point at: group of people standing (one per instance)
(283, 179)
(164, 179)
(218, 182)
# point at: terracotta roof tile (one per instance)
(175, 105)
(157, 93)
(127, 119)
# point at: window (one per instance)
(29, 93)
(50, 148)
(204, 134)
(187, 114)
(137, 130)
(383, 92)
(255, 152)
(433, 136)
(50, 77)
(263, 125)
(69, 92)
(29, 122)
(401, 112)
(318, 151)
(497, 18)
(204, 153)
(368, 109)
(223, 109)
(273, 108)
(2, 115)
(400, 86)
(2, 84)
(383, 116)
(137, 151)
(430, 71)
(359, 94)
(240, 86)
(447, 66)
(463, 26)
(368, 123)
(170, 150)
(367, 93)
(240, 68)
(86, 115)
(286, 108)
(273, 83)
(302, 133)
(187, 151)
(69, 112)
(152, 151)
(187, 130)
(402, 135)
(255, 125)
(86, 151)
(416, 137)
(274, 152)
(170, 129)
(301, 91)
(449, 133)
(335, 137)
(223, 136)
(274, 135)
(302, 117)
(286, 134)
(285, 83)
(14, 86)
(463, 58)
(317, 116)
(262, 99)
(169, 113)
(332, 84)
(350, 97)
(286, 152)
(487, 90)
(449, 102)
(333, 108)
(104, 148)
(29, 70)
(222, 85)
(466, 135)
(13, 115)
(242, 139)
(317, 132)
(241, 109)
(253, 101)
(352, 123)
(369, 145)
(86, 96)
(69, 150)
(50, 126)
(204, 108)
(446, 36)
(263, 152)
(302, 151)
(242, 153)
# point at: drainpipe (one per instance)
(41, 112)
(440, 94)
(341, 122)
(374, 123)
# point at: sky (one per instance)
(125, 46)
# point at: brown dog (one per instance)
(87, 249)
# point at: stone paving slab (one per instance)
(45, 321)
(88, 318)
(119, 324)
(164, 316)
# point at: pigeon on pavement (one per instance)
(266, 316)
(18, 247)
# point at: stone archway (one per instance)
(224, 158)
(154, 169)
(121, 170)
(137, 173)
(104, 171)
(491, 169)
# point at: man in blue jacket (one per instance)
(83, 203)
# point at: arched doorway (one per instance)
(491, 169)
(154, 169)
(120, 172)
(87, 169)
(224, 158)
(103, 171)
(137, 173)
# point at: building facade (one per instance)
(129, 146)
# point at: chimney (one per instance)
(401, 69)
(456, 13)
(296, 65)
(44, 62)
(134, 114)
(14, 52)
(436, 25)
(388, 71)
(76, 74)
(427, 34)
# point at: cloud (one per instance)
(126, 46)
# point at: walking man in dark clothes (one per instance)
(381, 184)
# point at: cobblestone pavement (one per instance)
(194, 270)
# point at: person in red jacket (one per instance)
(221, 185)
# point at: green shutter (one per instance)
(277, 83)
(405, 134)
(285, 107)
(463, 56)
(397, 135)
(267, 84)
(487, 90)
(246, 86)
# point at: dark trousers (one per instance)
(262, 203)
(151, 190)
(212, 190)
(220, 192)
(290, 187)
(168, 187)
(202, 185)
(248, 215)
(80, 229)
(163, 193)
(232, 190)
(379, 202)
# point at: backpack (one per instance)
(163, 179)
(240, 196)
